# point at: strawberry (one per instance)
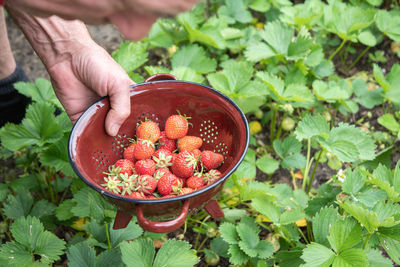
(184, 165)
(144, 149)
(128, 183)
(188, 143)
(160, 173)
(167, 183)
(125, 166)
(163, 158)
(166, 143)
(212, 176)
(197, 154)
(146, 184)
(137, 195)
(148, 130)
(112, 184)
(211, 160)
(185, 190)
(145, 166)
(176, 126)
(195, 182)
(129, 153)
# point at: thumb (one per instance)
(120, 103)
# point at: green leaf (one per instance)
(367, 218)
(353, 182)
(367, 38)
(194, 57)
(57, 156)
(26, 231)
(81, 255)
(3, 191)
(63, 211)
(249, 239)
(376, 258)
(18, 206)
(301, 45)
(257, 51)
(37, 128)
(130, 232)
(344, 234)
(131, 55)
(238, 257)
(167, 256)
(229, 233)
(392, 248)
(291, 216)
(366, 98)
(278, 36)
(41, 91)
(289, 258)
(49, 247)
(219, 246)
(321, 223)
(290, 145)
(317, 255)
(109, 258)
(267, 164)
(331, 91)
(254, 189)
(235, 10)
(295, 161)
(260, 5)
(380, 78)
(388, 22)
(351, 257)
(371, 196)
(138, 253)
(389, 122)
(187, 74)
(267, 208)
(15, 254)
(42, 208)
(311, 126)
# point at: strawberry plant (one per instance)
(319, 185)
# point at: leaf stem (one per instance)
(338, 49)
(366, 240)
(358, 58)
(272, 126)
(313, 173)
(308, 164)
(108, 237)
(302, 234)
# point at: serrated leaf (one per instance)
(18, 206)
(380, 78)
(194, 57)
(151, 70)
(3, 191)
(57, 156)
(219, 246)
(237, 257)
(388, 22)
(249, 239)
(376, 258)
(131, 55)
(229, 233)
(49, 247)
(80, 255)
(351, 257)
(26, 231)
(389, 122)
(291, 216)
(267, 164)
(235, 10)
(311, 126)
(317, 255)
(330, 92)
(366, 218)
(41, 91)
(109, 258)
(187, 74)
(130, 232)
(299, 48)
(63, 211)
(371, 196)
(322, 221)
(266, 207)
(138, 253)
(295, 161)
(278, 36)
(15, 254)
(37, 128)
(254, 189)
(290, 145)
(366, 98)
(344, 234)
(42, 208)
(167, 256)
(257, 51)
(290, 258)
(353, 182)
(264, 249)
(392, 247)
(367, 38)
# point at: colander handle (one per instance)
(165, 226)
(161, 77)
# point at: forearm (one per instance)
(53, 39)
(7, 62)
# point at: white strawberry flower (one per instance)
(341, 175)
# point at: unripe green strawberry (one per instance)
(288, 124)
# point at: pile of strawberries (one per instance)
(161, 164)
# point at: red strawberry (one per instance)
(197, 154)
(167, 183)
(137, 195)
(188, 143)
(160, 173)
(125, 166)
(166, 143)
(128, 183)
(112, 184)
(144, 149)
(195, 182)
(211, 160)
(146, 184)
(176, 126)
(148, 130)
(129, 153)
(145, 166)
(184, 165)
(151, 197)
(212, 176)
(185, 190)
(163, 158)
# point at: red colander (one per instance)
(215, 118)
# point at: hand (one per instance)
(88, 74)
(133, 17)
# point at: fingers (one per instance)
(120, 105)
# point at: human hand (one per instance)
(88, 74)
(133, 17)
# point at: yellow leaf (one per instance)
(79, 224)
(302, 222)
(262, 218)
